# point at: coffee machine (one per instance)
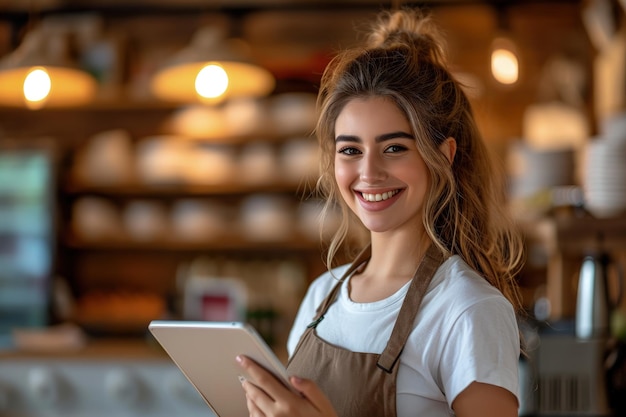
(566, 371)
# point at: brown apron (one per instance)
(362, 384)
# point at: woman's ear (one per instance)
(448, 148)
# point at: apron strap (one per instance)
(404, 323)
(362, 257)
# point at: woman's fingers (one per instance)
(253, 395)
(267, 396)
(263, 379)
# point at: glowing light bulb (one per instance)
(37, 86)
(504, 63)
(211, 81)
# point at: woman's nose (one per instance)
(372, 168)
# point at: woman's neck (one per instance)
(393, 263)
(397, 254)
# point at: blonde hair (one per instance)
(465, 213)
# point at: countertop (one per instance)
(126, 348)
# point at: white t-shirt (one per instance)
(465, 331)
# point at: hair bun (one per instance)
(410, 28)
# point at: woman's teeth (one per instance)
(379, 197)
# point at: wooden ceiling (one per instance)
(17, 5)
(295, 38)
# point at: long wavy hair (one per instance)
(465, 210)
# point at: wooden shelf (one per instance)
(578, 235)
(74, 188)
(223, 243)
(566, 240)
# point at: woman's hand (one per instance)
(268, 397)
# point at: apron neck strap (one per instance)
(361, 258)
(404, 323)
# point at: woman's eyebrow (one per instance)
(347, 138)
(394, 135)
(379, 138)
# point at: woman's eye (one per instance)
(395, 148)
(348, 151)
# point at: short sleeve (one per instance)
(483, 346)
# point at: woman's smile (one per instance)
(379, 196)
(376, 201)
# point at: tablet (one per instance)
(205, 353)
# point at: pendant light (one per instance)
(504, 54)
(40, 72)
(504, 62)
(210, 70)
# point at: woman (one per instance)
(423, 322)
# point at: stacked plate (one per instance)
(605, 170)
(534, 170)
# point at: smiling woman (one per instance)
(422, 322)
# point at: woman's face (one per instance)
(379, 171)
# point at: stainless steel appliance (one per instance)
(564, 375)
(593, 303)
(572, 378)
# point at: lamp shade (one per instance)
(227, 72)
(39, 73)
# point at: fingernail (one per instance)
(239, 358)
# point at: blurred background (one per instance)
(156, 161)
